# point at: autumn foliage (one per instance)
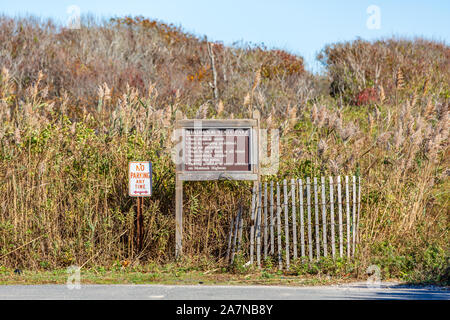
(77, 105)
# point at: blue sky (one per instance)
(301, 27)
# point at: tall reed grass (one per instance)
(77, 105)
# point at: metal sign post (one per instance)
(140, 186)
(213, 150)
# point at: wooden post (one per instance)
(236, 227)
(257, 116)
(302, 224)
(178, 217)
(354, 217)
(359, 209)
(252, 224)
(178, 204)
(286, 221)
(316, 217)
(333, 239)
(241, 223)
(347, 206)
(272, 240)
(280, 264)
(341, 236)
(324, 218)
(294, 219)
(258, 228)
(230, 236)
(308, 199)
(266, 242)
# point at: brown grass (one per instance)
(77, 105)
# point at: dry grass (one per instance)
(77, 105)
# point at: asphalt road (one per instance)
(357, 291)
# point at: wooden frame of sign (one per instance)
(231, 150)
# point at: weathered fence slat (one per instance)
(230, 236)
(308, 195)
(258, 227)
(272, 239)
(354, 217)
(333, 239)
(236, 227)
(359, 208)
(316, 219)
(341, 236)
(252, 224)
(286, 221)
(266, 242)
(302, 224)
(241, 226)
(280, 264)
(294, 219)
(324, 218)
(347, 207)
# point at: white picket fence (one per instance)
(300, 219)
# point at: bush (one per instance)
(390, 66)
(77, 105)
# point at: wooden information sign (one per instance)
(214, 150)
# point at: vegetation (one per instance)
(170, 274)
(77, 105)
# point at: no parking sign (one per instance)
(140, 179)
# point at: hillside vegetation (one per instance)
(77, 105)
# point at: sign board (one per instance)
(140, 179)
(213, 150)
(218, 149)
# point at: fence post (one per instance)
(266, 242)
(252, 224)
(230, 236)
(236, 227)
(354, 217)
(316, 219)
(258, 227)
(347, 207)
(324, 218)
(359, 208)
(241, 224)
(341, 236)
(272, 240)
(302, 226)
(280, 264)
(286, 221)
(308, 197)
(294, 219)
(333, 240)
